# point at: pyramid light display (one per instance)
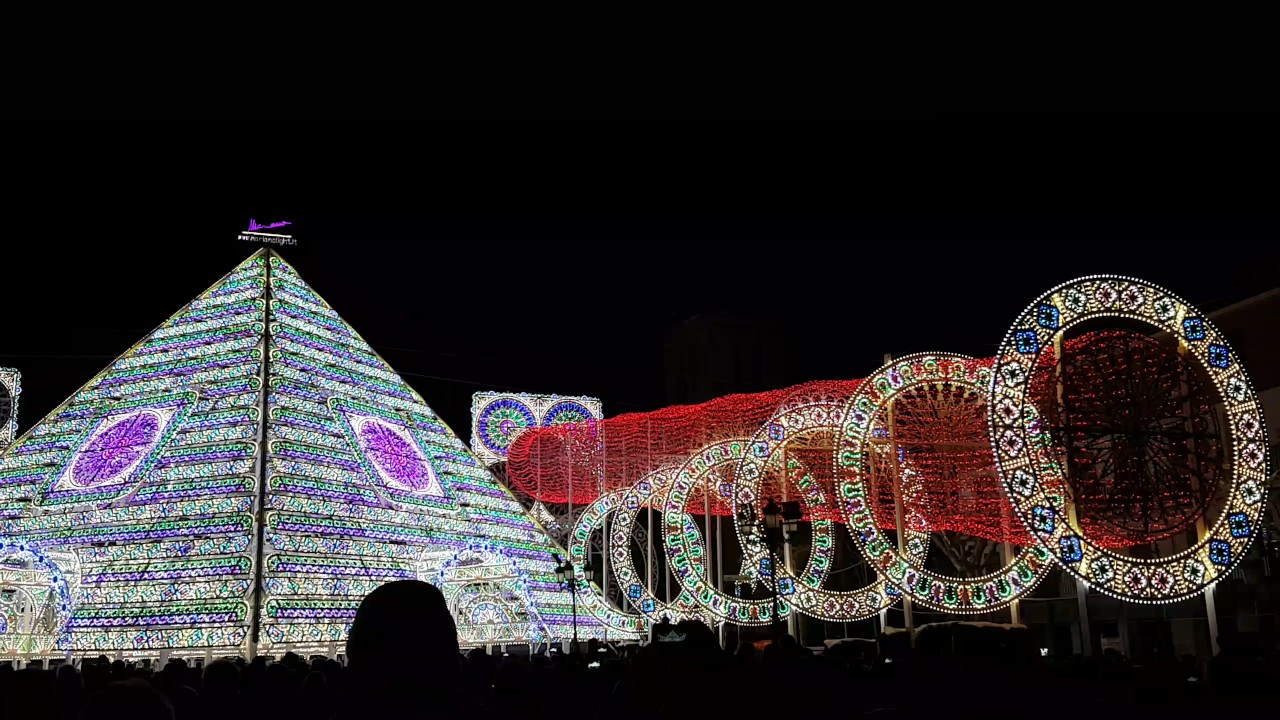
(498, 418)
(243, 476)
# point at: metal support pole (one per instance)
(793, 621)
(1015, 607)
(1082, 603)
(720, 553)
(604, 560)
(573, 594)
(777, 622)
(651, 580)
(706, 524)
(1210, 607)
(1211, 612)
(899, 521)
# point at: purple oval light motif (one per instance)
(115, 450)
(395, 457)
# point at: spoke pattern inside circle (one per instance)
(1136, 425)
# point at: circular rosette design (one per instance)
(790, 434)
(649, 491)
(115, 449)
(396, 457)
(567, 412)
(1030, 466)
(861, 448)
(501, 421)
(686, 555)
(593, 517)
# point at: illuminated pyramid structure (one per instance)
(163, 513)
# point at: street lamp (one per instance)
(565, 573)
(781, 522)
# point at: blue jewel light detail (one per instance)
(1042, 519)
(1193, 328)
(1219, 356)
(1026, 342)
(1239, 524)
(786, 586)
(1047, 317)
(1069, 549)
(634, 591)
(1220, 552)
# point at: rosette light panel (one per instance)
(498, 418)
(10, 388)
(173, 482)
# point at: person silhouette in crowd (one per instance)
(403, 659)
(131, 699)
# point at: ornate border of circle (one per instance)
(482, 421)
(561, 406)
(723, 607)
(1025, 462)
(648, 489)
(965, 596)
(805, 592)
(592, 517)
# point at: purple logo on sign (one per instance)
(115, 450)
(396, 458)
(255, 225)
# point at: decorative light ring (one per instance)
(649, 490)
(853, 454)
(685, 558)
(593, 517)
(566, 412)
(58, 585)
(501, 421)
(805, 592)
(1028, 466)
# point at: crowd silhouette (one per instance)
(403, 661)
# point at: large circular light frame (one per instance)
(806, 592)
(1028, 464)
(686, 560)
(579, 541)
(961, 595)
(649, 491)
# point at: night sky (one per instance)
(581, 305)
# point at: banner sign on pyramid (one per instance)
(242, 477)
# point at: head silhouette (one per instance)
(403, 631)
(132, 699)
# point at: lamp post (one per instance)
(565, 573)
(781, 522)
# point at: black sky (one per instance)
(581, 304)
